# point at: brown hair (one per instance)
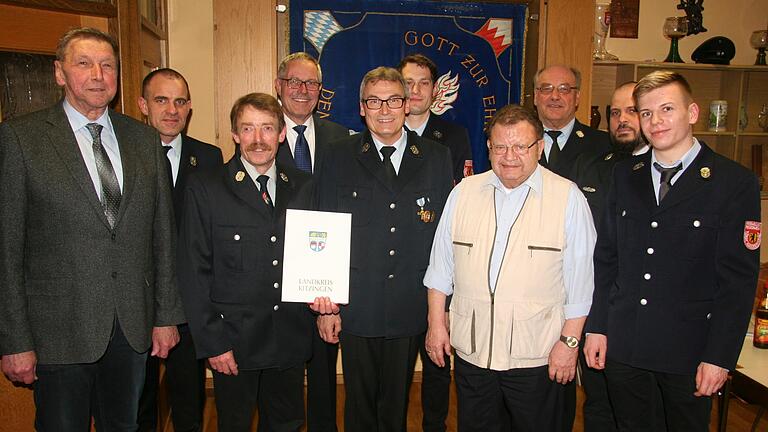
(85, 33)
(260, 102)
(661, 78)
(420, 60)
(512, 115)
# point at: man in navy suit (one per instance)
(307, 140)
(166, 101)
(88, 281)
(556, 96)
(420, 72)
(676, 267)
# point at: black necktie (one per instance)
(301, 151)
(554, 151)
(389, 169)
(666, 178)
(168, 165)
(262, 180)
(110, 188)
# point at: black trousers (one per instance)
(377, 377)
(633, 393)
(66, 396)
(435, 390)
(278, 394)
(597, 410)
(535, 402)
(185, 385)
(321, 386)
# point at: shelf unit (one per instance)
(741, 86)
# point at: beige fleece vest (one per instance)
(516, 326)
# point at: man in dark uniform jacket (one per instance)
(166, 102)
(592, 173)
(307, 139)
(230, 270)
(420, 73)
(676, 267)
(556, 96)
(395, 185)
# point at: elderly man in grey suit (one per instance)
(86, 248)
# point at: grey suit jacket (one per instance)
(65, 276)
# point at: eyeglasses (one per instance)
(163, 101)
(296, 83)
(393, 102)
(500, 149)
(562, 89)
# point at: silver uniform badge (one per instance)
(284, 177)
(588, 189)
(193, 161)
(638, 166)
(437, 134)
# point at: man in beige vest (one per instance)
(514, 246)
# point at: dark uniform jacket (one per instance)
(390, 241)
(65, 274)
(674, 283)
(326, 132)
(592, 173)
(195, 156)
(230, 268)
(583, 139)
(453, 136)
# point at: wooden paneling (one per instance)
(245, 57)
(17, 408)
(93, 8)
(567, 40)
(34, 31)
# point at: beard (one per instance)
(627, 146)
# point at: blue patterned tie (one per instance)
(110, 188)
(301, 151)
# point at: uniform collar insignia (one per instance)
(239, 176)
(580, 134)
(437, 134)
(705, 172)
(283, 177)
(193, 161)
(414, 149)
(366, 147)
(608, 156)
(588, 189)
(638, 166)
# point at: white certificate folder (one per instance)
(316, 256)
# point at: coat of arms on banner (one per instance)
(317, 240)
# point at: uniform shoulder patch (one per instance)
(752, 235)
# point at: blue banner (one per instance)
(478, 48)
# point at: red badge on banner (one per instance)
(752, 235)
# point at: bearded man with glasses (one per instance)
(394, 183)
(514, 246)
